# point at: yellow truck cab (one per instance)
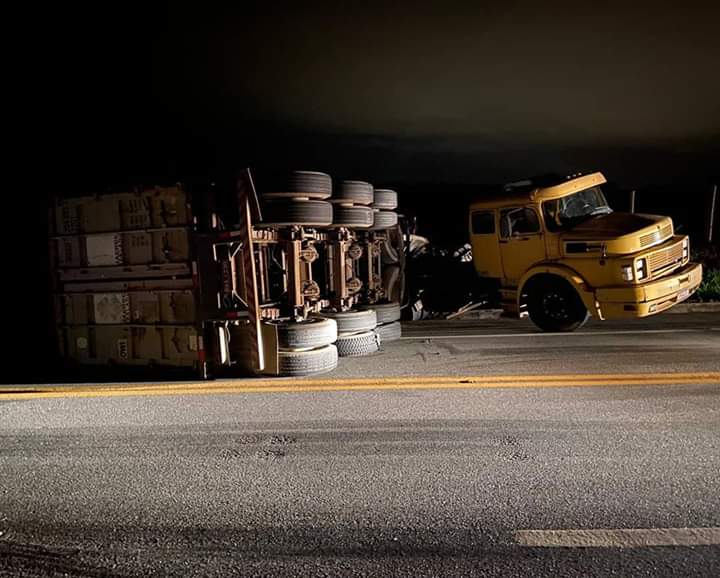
(559, 254)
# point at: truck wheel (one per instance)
(389, 332)
(384, 220)
(385, 312)
(385, 199)
(352, 321)
(308, 184)
(298, 363)
(358, 345)
(306, 334)
(355, 192)
(555, 306)
(286, 213)
(355, 217)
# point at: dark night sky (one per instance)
(403, 92)
(504, 72)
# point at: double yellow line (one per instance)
(358, 384)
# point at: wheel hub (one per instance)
(555, 306)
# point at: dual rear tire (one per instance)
(297, 199)
(351, 200)
(388, 320)
(356, 332)
(384, 205)
(305, 347)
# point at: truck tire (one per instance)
(303, 184)
(310, 362)
(355, 192)
(286, 213)
(309, 333)
(358, 344)
(385, 312)
(355, 217)
(384, 220)
(385, 199)
(389, 332)
(349, 322)
(555, 306)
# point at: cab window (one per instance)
(483, 223)
(566, 212)
(520, 221)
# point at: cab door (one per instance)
(521, 242)
(484, 242)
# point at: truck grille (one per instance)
(656, 236)
(664, 258)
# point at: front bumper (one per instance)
(649, 298)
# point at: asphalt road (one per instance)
(392, 481)
(666, 343)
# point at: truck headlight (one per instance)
(627, 272)
(686, 247)
(641, 269)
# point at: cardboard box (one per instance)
(169, 207)
(136, 212)
(138, 248)
(180, 343)
(170, 246)
(144, 307)
(147, 343)
(177, 307)
(77, 309)
(75, 343)
(68, 252)
(112, 343)
(104, 250)
(101, 214)
(69, 216)
(111, 308)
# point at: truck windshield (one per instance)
(564, 213)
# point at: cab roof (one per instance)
(537, 190)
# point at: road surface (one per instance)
(498, 459)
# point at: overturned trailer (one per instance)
(279, 281)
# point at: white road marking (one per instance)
(540, 334)
(618, 538)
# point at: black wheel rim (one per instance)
(555, 306)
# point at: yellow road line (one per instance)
(361, 384)
(315, 381)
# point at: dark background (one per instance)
(439, 100)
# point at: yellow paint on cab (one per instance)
(595, 257)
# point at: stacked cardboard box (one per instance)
(124, 291)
